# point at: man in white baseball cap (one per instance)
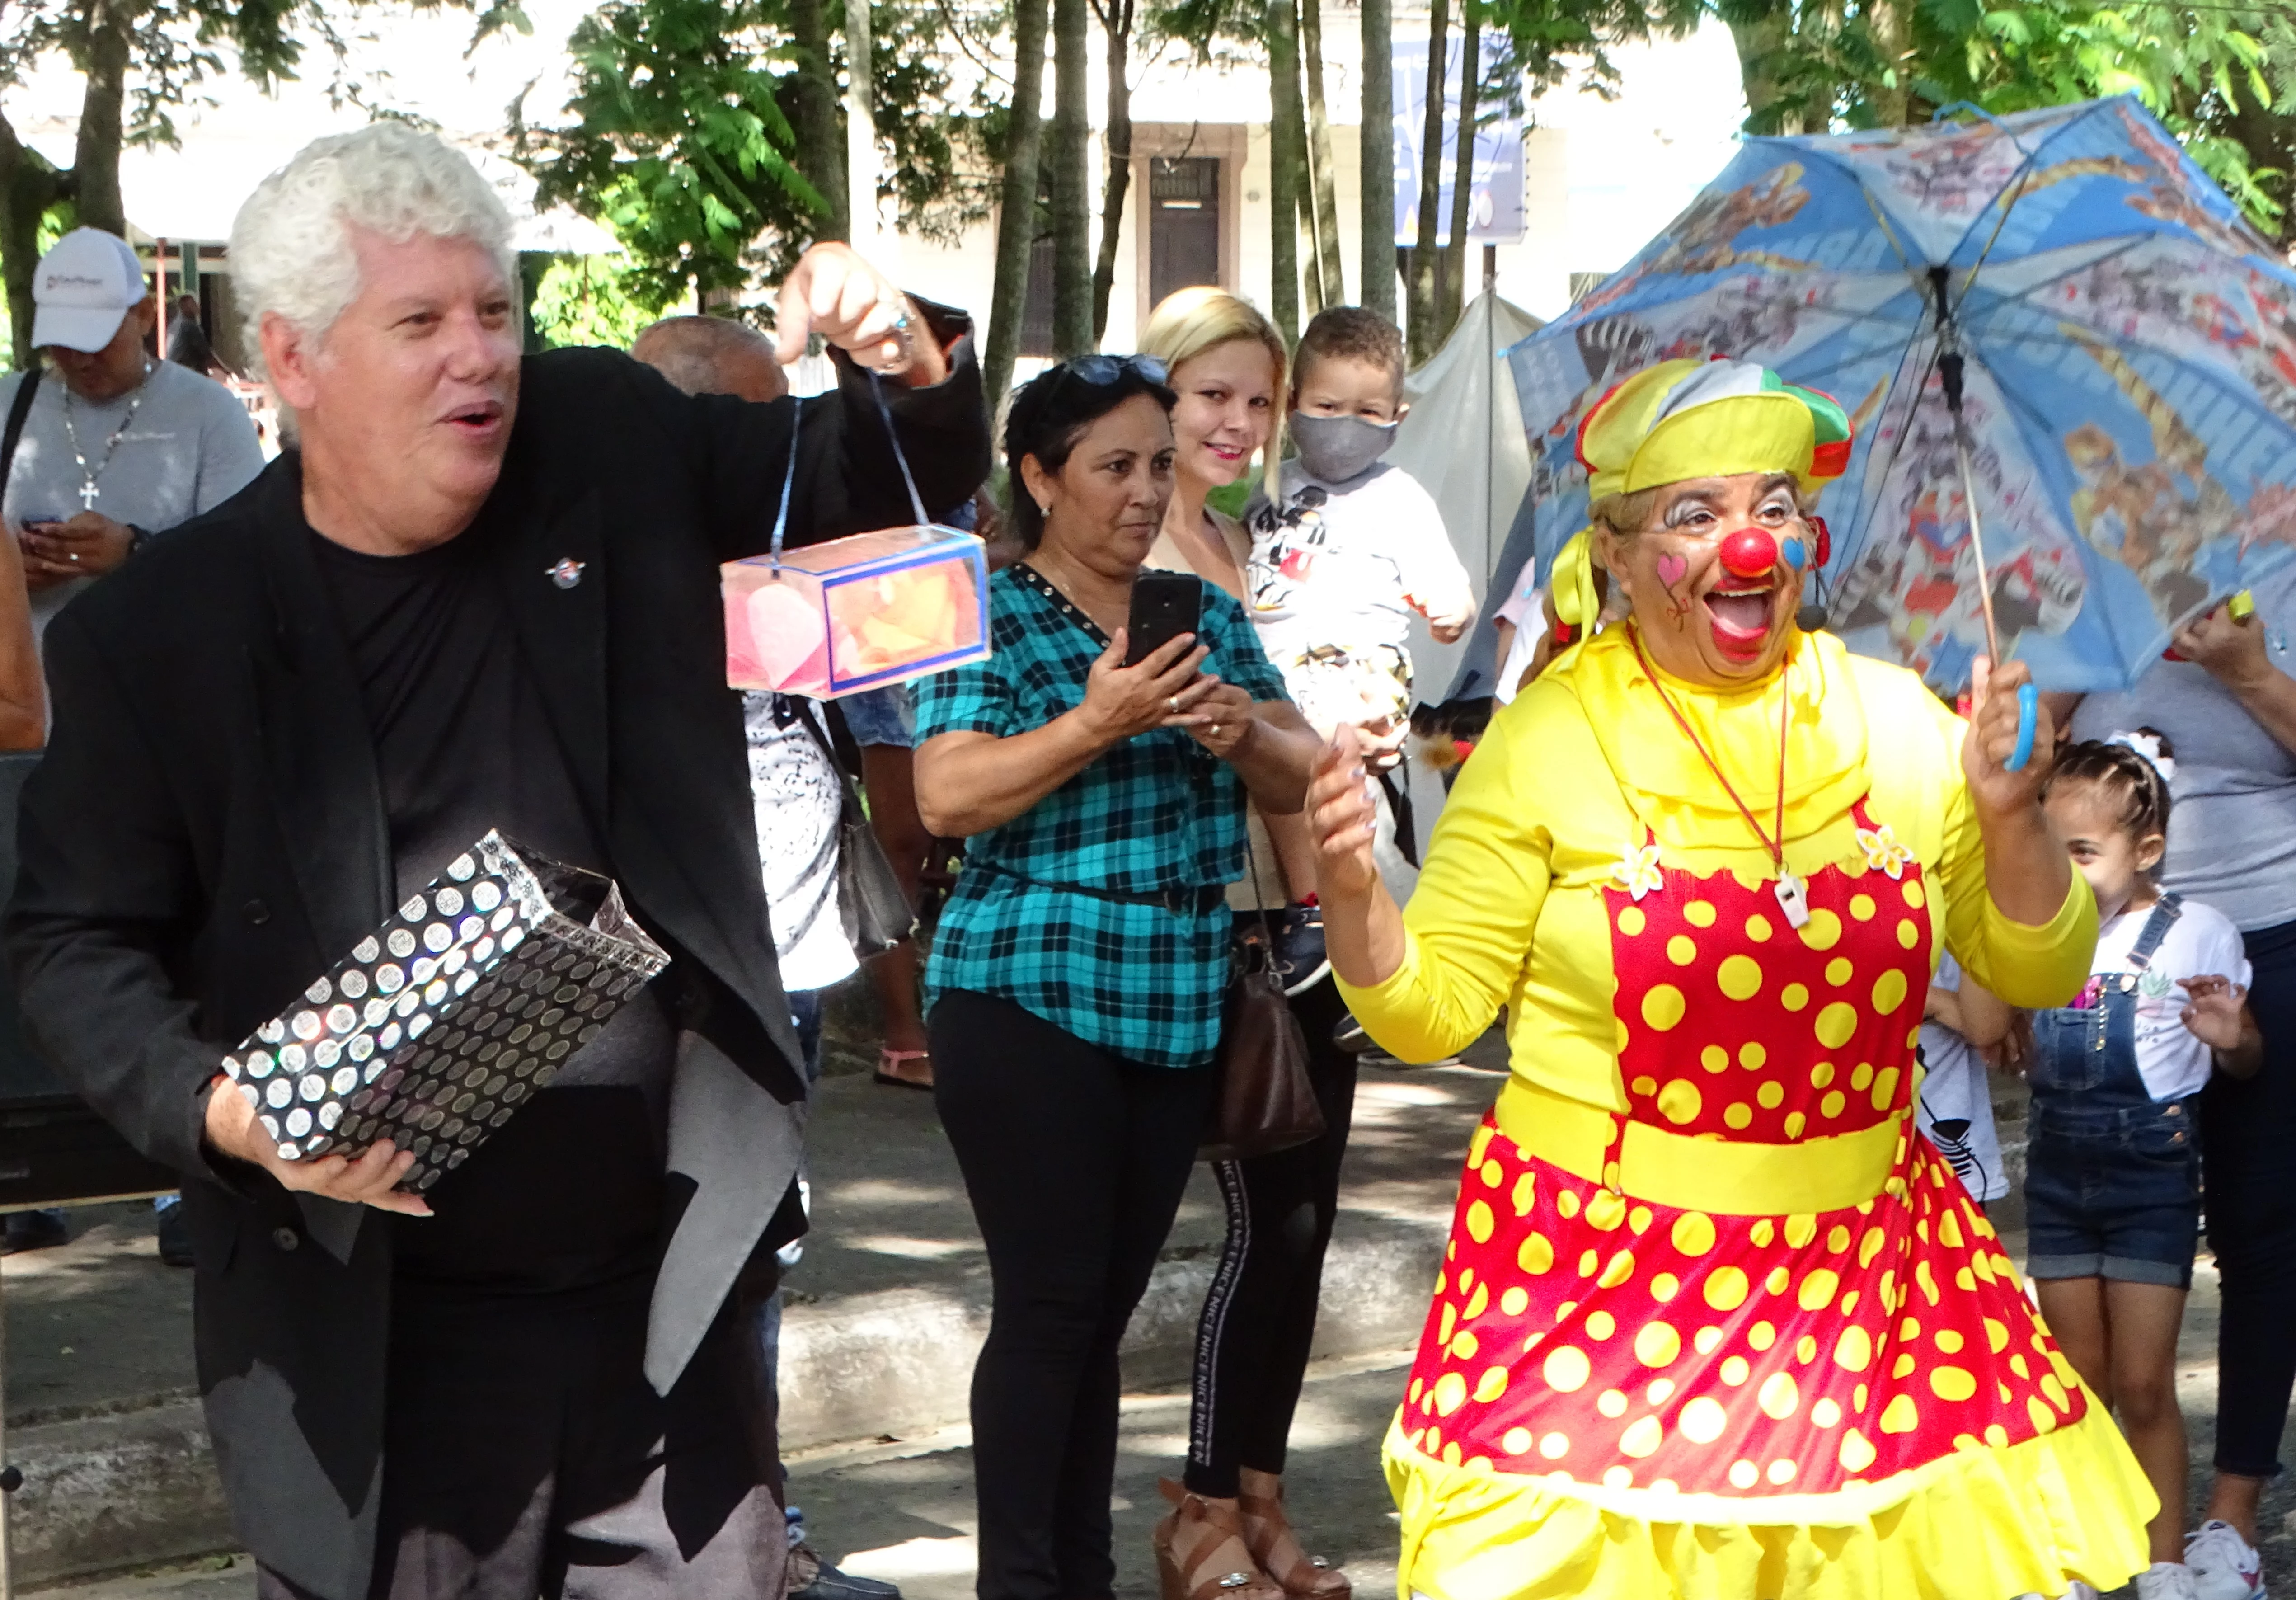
(101, 451)
(122, 447)
(83, 290)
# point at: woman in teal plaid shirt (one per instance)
(1077, 975)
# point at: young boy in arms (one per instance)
(1353, 548)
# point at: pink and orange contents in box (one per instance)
(857, 613)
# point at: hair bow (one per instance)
(2148, 745)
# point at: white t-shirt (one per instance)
(1526, 610)
(1955, 1089)
(2200, 942)
(1332, 582)
(799, 803)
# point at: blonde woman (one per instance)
(1227, 1532)
(1226, 363)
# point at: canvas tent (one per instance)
(1463, 441)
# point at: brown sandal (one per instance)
(1216, 1564)
(1268, 1535)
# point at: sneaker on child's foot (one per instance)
(2224, 1565)
(2165, 1580)
(1300, 949)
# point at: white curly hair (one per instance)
(290, 247)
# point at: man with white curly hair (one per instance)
(480, 592)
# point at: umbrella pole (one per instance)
(2029, 698)
(1976, 534)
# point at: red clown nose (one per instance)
(1750, 553)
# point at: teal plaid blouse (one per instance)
(1157, 815)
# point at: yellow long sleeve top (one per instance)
(1586, 767)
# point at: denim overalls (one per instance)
(2112, 1182)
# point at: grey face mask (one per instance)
(1336, 449)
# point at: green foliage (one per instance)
(591, 299)
(2217, 74)
(678, 138)
(679, 142)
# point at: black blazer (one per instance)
(205, 834)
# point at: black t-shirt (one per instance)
(568, 1194)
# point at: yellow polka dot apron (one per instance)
(1752, 1338)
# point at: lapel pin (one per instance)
(567, 573)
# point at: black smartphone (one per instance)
(1164, 606)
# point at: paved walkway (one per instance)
(889, 1299)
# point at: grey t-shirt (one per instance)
(190, 447)
(2232, 830)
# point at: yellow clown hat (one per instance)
(1709, 419)
(1696, 419)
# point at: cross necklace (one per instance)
(88, 492)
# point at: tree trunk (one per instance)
(819, 151)
(102, 56)
(1016, 216)
(1071, 179)
(29, 186)
(1424, 264)
(1319, 154)
(1893, 100)
(1283, 163)
(1462, 168)
(860, 127)
(1762, 43)
(1376, 158)
(1116, 19)
(1311, 252)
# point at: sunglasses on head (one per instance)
(1100, 371)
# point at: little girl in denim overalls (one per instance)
(2112, 1182)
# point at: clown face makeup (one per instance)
(1716, 575)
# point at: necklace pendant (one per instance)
(1791, 898)
(88, 495)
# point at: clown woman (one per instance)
(1715, 1320)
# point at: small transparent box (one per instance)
(857, 613)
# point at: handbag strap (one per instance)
(788, 475)
(18, 409)
(854, 810)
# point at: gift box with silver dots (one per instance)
(448, 1017)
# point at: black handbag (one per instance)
(876, 911)
(1265, 1101)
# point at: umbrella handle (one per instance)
(2028, 706)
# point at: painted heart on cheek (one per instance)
(1670, 569)
(1796, 556)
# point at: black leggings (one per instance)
(1075, 1162)
(2248, 1153)
(1260, 1317)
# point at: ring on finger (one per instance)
(1174, 704)
(1213, 730)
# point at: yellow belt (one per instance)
(1725, 1177)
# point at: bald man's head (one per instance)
(712, 356)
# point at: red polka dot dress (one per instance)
(1739, 1331)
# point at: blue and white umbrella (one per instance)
(2128, 377)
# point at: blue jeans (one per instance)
(880, 717)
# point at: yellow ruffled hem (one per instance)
(1984, 1524)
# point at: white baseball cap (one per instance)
(82, 288)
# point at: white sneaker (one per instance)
(2224, 1565)
(2166, 1580)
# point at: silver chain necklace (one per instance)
(89, 493)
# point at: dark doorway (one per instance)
(1184, 230)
